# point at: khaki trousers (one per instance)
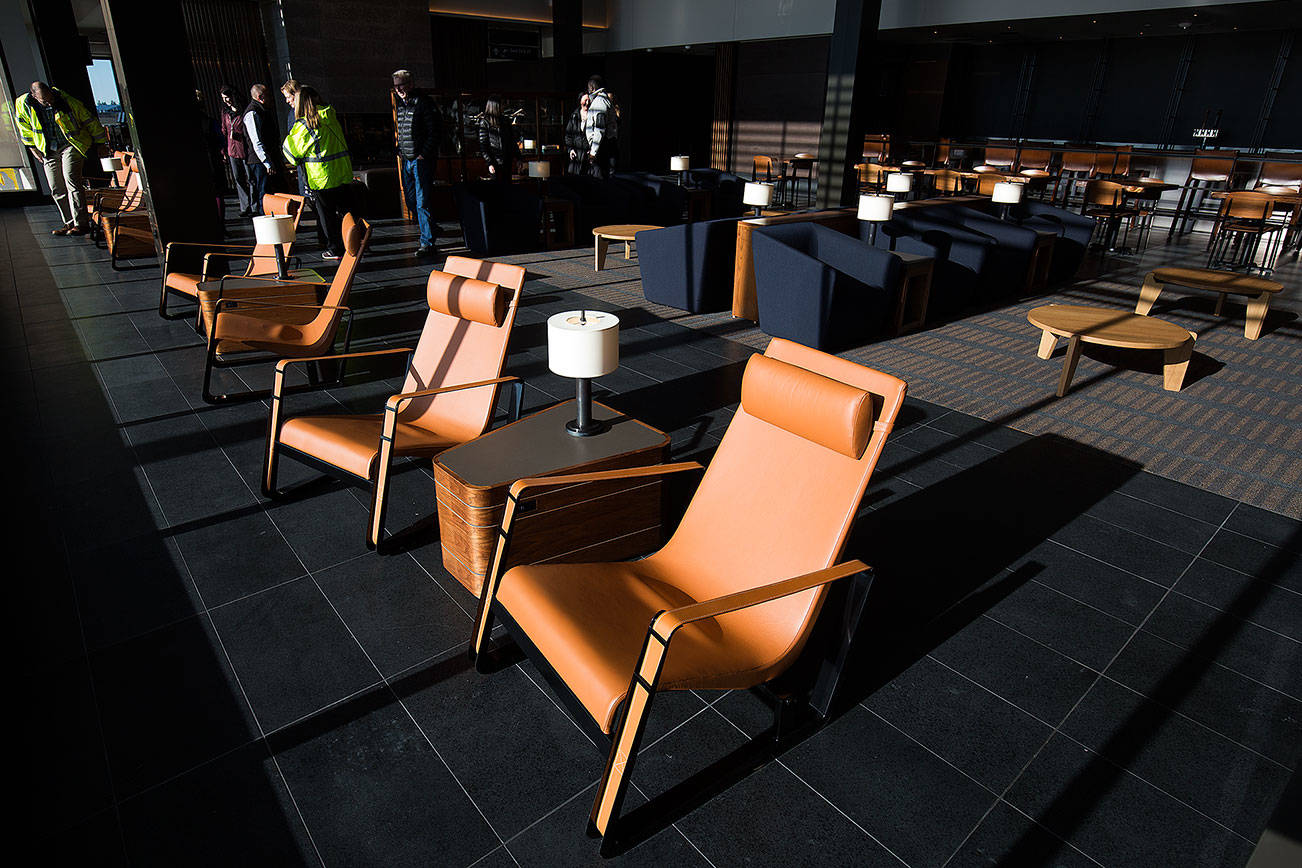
(63, 171)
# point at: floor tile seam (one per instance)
(339, 701)
(1294, 640)
(501, 847)
(1038, 825)
(298, 809)
(550, 813)
(996, 694)
(1222, 666)
(1270, 545)
(1111, 565)
(1075, 599)
(544, 689)
(929, 750)
(1047, 647)
(245, 597)
(676, 827)
(778, 760)
(1166, 508)
(439, 584)
(1145, 536)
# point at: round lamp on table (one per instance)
(680, 164)
(583, 344)
(875, 208)
(276, 230)
(760, 196)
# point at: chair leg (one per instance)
(380, 494)
(209, 359)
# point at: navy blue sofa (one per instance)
(725, 188)
(690, 266)
(498, 219)
(1074, 234)
(820, 287)
(658, 202)
(961, 274)
(1010, 258)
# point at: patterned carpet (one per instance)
(1235, 429)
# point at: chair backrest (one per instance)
(320, 332)
(1000, 156)
(987, 181)
(942, 152)
(1107, 194)
(782, 490)
(1078, 161)
(1034, 160)
(874, 147)
(761, 164)
(1122, 164)
(1213, 165)
(263, 260)
(948, 182)
(121, 176)
(472, 307)
(1247, 205)
(1280, 175)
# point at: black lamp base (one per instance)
(585, 425)
(594, 426)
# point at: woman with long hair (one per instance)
(316, 145)
(497, 141)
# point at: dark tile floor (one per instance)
(1069, 661)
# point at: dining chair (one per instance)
(1211, 168)
(741, 594)
(1242, 221)
(259, 259)
(447, 396)
(291, 318)
(1105, 201)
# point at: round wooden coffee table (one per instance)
(1112, 328)
(603, 235)
(1258, 289)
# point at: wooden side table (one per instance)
(557, 223)
(593, 521)
(915, 291)
(626, 232)
(1258, 289)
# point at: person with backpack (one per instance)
(601, 128)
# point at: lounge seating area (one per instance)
(767, 460)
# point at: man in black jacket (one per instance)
(263, 151)
(418, 147)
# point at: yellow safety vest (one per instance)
(79, 126)
(322, 153)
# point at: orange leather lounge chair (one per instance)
(732, 599)
(123, 222)
(288, 319)
(261, 257)
(446, 399)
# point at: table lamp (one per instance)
(875, 208)
(276, 230)
(680, 164)
(1006, 194)
(899, 182)
(758, 195)
(583, 344)
(111, 164)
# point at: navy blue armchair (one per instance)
(497, 218)
(1074, 234)
(689, 267)
(726, 190)
(1011, 255)
(820, 287)
(961, 257)
(660, 202)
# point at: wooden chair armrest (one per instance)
(207, 244)
(270, 301)
(396, 402)
(522, 485)
(665, 624)
(285, 363)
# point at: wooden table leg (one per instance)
(1048, 341)
(1069, 364)
(1257, 308)
(1175, 363)
(628, 249)
(600, 246)
(1220, 304)
(1148, 294)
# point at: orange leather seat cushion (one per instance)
(186, 283)
(590, 620)
(352, 443)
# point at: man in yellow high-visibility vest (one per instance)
(61, 133)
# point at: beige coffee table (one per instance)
(603, 235)
(1112, 328)
(1258, 289)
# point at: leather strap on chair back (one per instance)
(501, 273)
(466, 298)
(809, 405)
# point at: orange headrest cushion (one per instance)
(817, 408)
(467, 298)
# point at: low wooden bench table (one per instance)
(626, 232)
(1258, 289)
(1112, 328)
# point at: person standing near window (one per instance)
(61, 133)
(418, 147)
(316, 145)
(262, 133)
(235, 147)
(576, 143)
(601, 128)
(497, 140)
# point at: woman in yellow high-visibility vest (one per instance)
(316, 145)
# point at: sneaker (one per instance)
(328, 255)
(426, 250)
(62, 230)
(76, 230)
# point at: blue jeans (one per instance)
(416, 190)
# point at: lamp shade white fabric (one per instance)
(273, 229)
(582, 343)
(540, 169)
(680, 163)
(899, 182)
(111, 164)
(1007, 193)
(759, 195)
(875, 208)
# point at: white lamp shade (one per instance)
(529, 144)
(540, 169)
(875, 208)
(680, 163)
(1007, 193)
(899, 182)
(273, 229)
(757, 194)
(582, 343)
(111, 164)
